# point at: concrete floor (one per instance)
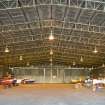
(51, 94)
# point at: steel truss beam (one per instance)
(56, 24)
(91, 4)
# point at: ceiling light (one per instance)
(92, 68)
(81, 59)
(28, 64)
(54, 76)
(6, 49)
(51, 52)
(69, 67)
(21, 58)
(95, 50)
(74, 63)
(50, 59)
(51, 37)
(103, 65)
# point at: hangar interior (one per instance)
(52, 41)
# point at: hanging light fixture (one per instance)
(74, 63)
(103, 65)
(81, 59)
(51, 37)
(50, 59)
(95, 50)
(6, 49)
(28, 63)
(69, 67)
(92, 68)
(20, 57)
(51, 52)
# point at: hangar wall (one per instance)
(51, 75)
